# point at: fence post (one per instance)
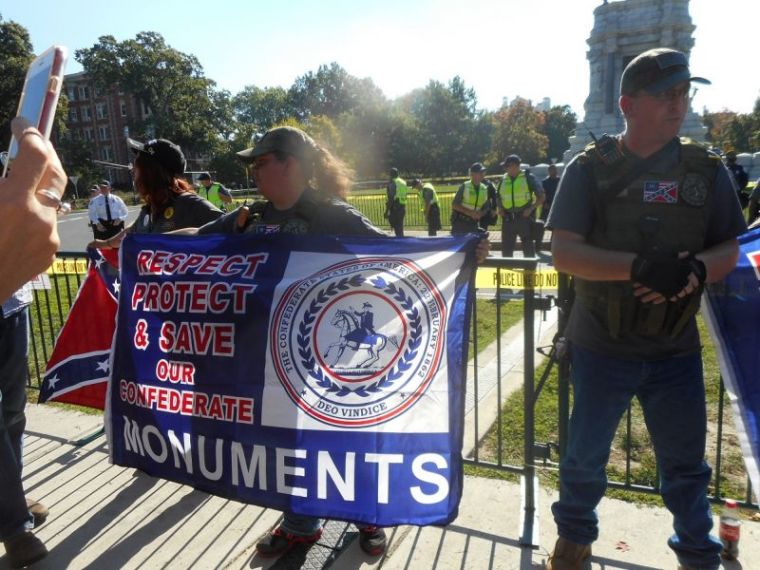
(529, 535)
(564, 303)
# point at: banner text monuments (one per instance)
(313, 374)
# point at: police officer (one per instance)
(214, 192)
(740, 176)
(470, 203)
(395, 209)
(517, 206)
(107, 212)
(432, 209)
(641, 221)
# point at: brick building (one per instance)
(101, 118)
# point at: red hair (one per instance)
(155, 184)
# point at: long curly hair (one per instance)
(155, 184)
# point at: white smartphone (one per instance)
(39, 97)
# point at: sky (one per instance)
(501, 48)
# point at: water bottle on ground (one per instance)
(730, 528)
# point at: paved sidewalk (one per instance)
(104, 516)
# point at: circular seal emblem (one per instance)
(169, 213)
(359, 343)
(694, 189)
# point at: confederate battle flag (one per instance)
(78, 370)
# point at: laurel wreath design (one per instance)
(405, 362)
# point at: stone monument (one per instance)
(622, 30)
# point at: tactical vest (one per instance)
(515, 194)
(212, 194)
(429, 186)
(401, 190)
(655, 212)
(474, 198)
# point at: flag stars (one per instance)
(99, 261)
(116, 286)
(52, 381)
(103, 366)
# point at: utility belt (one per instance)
(614, 304)
(112, 223)
(514, 213)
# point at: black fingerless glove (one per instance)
(663, 273)
(697, 267)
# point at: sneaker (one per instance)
(38, 510)
(278, 542)
(24, 550)
(568, 555)
(372, 540)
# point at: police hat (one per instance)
(655, 71)
(511, 159)
(477, 167)
(204, 176)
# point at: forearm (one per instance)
(462, 210)
(720, 259)
(571, 254)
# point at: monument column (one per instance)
(621, 31)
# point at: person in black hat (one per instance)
(470, 203)
(170, 202)
(519, 196)
(642, 221)
(107, 212)
(214, 192)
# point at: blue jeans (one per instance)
(672, 397)
(14, 343)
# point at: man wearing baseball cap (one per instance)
(641, 220)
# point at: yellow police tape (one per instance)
(486, 278)
(68, 267)
(489, 277)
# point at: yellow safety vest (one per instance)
(401, 190)
(515, 194)
(474, 198)
(429, 186)
(212, 194)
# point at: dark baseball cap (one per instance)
(511, 159)
(283, 139)
(477, 167)
(204, 176)
(655, 71)
(163, 151)
(104, 182)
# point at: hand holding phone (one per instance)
(39, 97)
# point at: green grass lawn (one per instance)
(642, 462)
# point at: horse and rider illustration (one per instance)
(357, 332)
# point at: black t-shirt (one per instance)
(312, 214)
(186, 210)
(573, 211)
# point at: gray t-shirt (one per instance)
(572, 211)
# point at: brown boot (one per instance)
(568, 555)
(38, 510)
(24, 550)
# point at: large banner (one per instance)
(323, 376)
(733, 315)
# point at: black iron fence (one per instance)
(503, 438)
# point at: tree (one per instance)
(559, 124)
(449, 129)
(15, 56)
(517, 130)
(169, 83)
(331, 91)
(262, 107)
